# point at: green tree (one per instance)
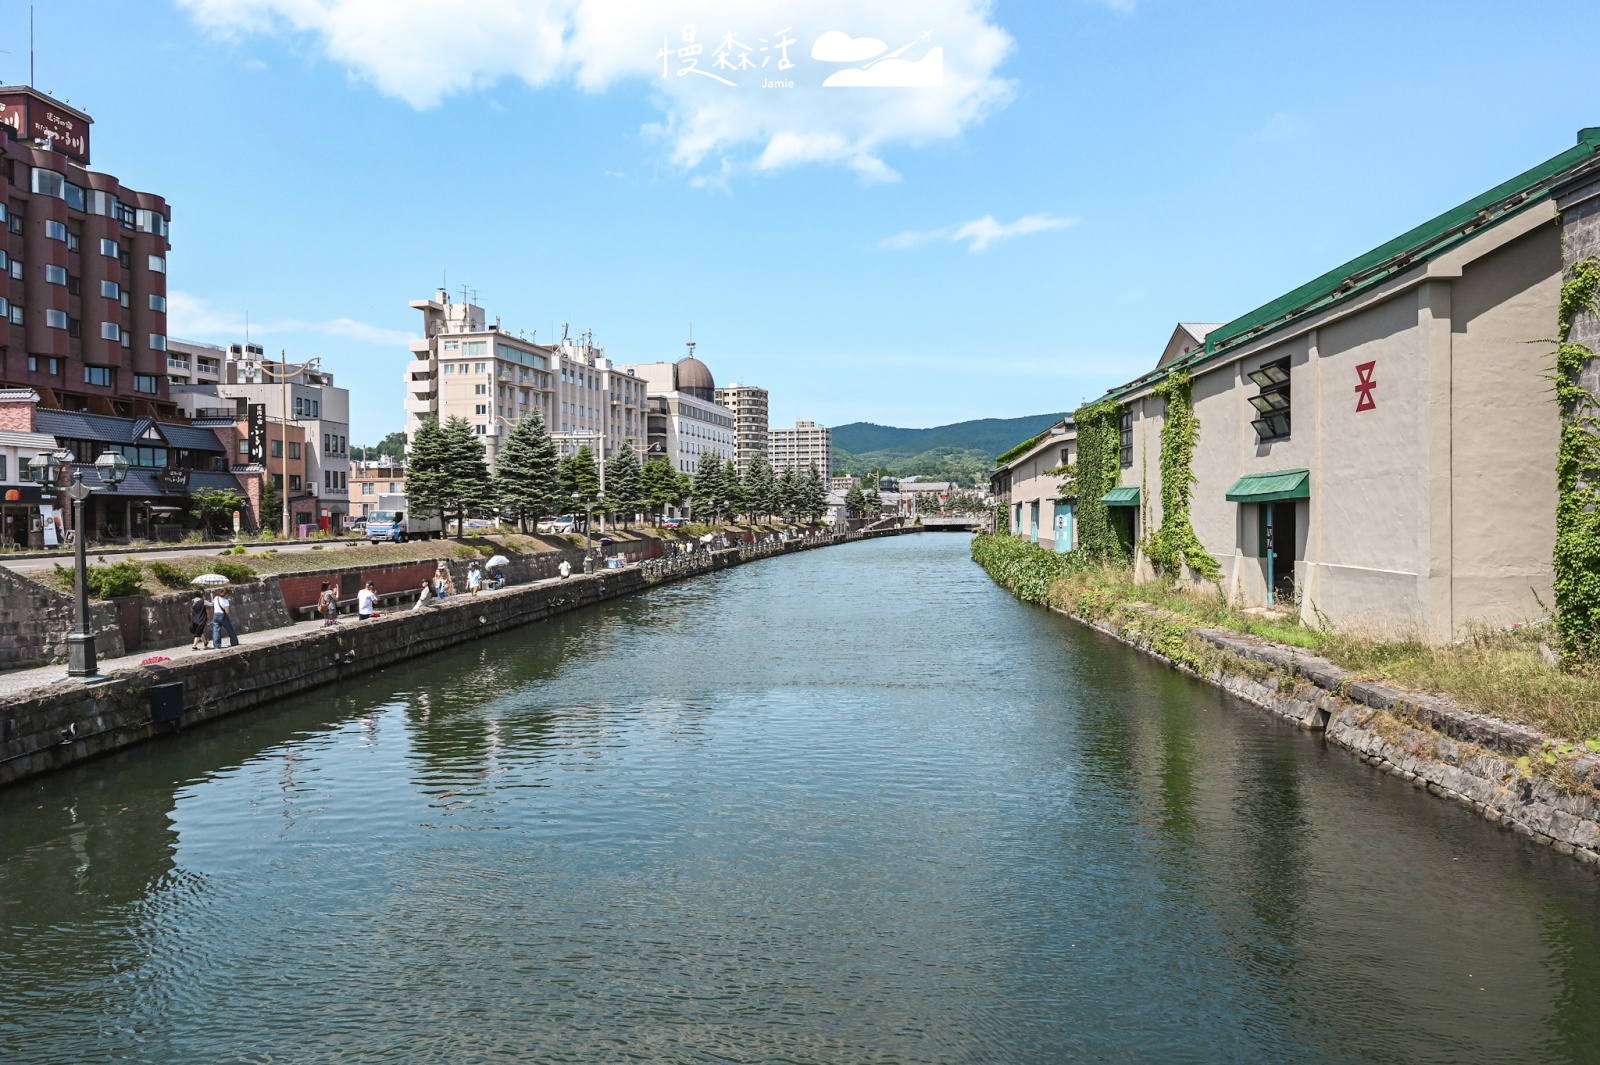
(854, 503)
(814, 494)
(734, 489)
(789, 492)
(208, 504)
(271, 512)
(708, 493)
(871, 504)
(760, 489)
(427, 473)
(470, 487)
(580, 477)
(624, 483)
(447, 472)
(658, 482)
(392, 446)
(527, 478)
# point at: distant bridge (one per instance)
(954, 522)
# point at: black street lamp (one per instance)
(113, 469)
(588, 524)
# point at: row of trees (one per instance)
(446, 471)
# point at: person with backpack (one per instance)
(328, 605)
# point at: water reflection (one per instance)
(854, 805)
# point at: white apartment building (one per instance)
(317, 406)
(191, 362)
(806, 445)
(750, 431)
(596, 403)
(684, 419)
(461, 366)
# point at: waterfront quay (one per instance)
(48, 721)
(855, 804)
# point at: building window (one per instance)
(367, 488)
(452, 345)
(97, 375)
(55, 275)
(16, 269)
(109, 247)
(158, 265)
(158, 303)
(16, 314)
(1272, 403)
(147, 457)
(158, 342)
(483, 430)
(481, 408)
(1125, 456)
(14, 223)
(54, 230)
(55, 319)
(277, 449)
(449, 367)
(480, 390)
(39, 364)
(244, 446)
(294, 449)
(110, 331)
(111, 290)
(476, 347)
(294, 482)
(144, 382)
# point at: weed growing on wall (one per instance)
(1175, 542)
(1577, 554)
(1099, 442)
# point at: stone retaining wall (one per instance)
(59, 724)
(35, 621)
(1436, 745)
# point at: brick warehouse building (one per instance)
(83, 294)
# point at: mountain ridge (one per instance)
(989, 435)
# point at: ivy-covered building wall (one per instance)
(1380, 444)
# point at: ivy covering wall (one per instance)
(1175, 541)
(1099, 471)
(1577, 553)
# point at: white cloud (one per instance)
(980, 232)
(193, 318)
(1279, 126)
(423, 51)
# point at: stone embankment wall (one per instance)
(35, 622)
(1430, 742)
(60, 724)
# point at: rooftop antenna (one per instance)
(30, 45)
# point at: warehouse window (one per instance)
(1272, 403)
(1125, 432)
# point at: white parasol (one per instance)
(498, 560)
(210, 579)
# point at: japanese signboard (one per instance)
(258, 434)
(174, 479)
(37, 117)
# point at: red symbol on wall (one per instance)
(1365, 387)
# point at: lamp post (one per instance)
(112, 469)
(588, 526)
(284, 376)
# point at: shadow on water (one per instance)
(853, 805)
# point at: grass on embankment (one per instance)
(1493, 671)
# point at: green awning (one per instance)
(1271, 487)
(1127, 496)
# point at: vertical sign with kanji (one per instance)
(258, 434)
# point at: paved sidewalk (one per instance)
(21, 680)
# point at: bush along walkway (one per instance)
(1512, 772)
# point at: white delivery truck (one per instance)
(393, 522)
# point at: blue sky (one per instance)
(856, 251)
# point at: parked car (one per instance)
(557, 525)
(672, 523)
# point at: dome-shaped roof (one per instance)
(694, 377)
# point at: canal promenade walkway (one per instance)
(48, 722)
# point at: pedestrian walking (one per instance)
(367, 602)
(474, 579)
(443, 586)
(427, 593)
(222, 619)
(328, 605)
(199, 618)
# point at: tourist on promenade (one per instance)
(427, 593)
(443, 586)
(199, 617)
(222, 619)
(565, 569)
(328, 605)
(367, 602)
(474, 579)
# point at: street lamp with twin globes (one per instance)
(112, 470)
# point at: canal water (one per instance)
(853, 805)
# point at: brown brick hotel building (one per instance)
(83, 269)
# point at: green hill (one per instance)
(963, 452)
(989, 435)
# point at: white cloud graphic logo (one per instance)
(836, 46)
(924, 73)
